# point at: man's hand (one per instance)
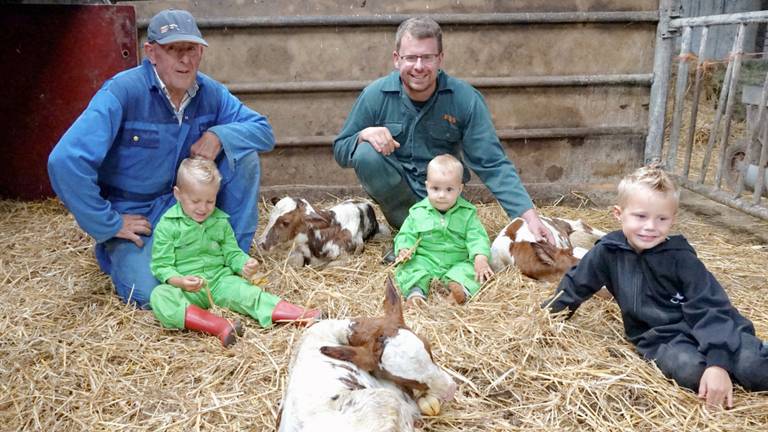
(483, 271)
(207, 147)
(133, 225)
(379, 138)
(249, 268)
(716, 387)
(537, 227)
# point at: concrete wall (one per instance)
(563, 134)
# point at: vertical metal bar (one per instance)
(681, 84)
(760, 181)
(718, 116)
(695, 102)
(757, 126)
(660, 87)
(736, 59)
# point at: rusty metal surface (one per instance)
(53, 64)
(555, 166)
(321, 114)
(228, 8)
(331, 54)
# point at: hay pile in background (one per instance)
(72, 357)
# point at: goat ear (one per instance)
(545, 252)
(361, 356)
(393, 305)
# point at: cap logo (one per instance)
(167, 27)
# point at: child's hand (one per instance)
(190, 283)
(404, 255)
(483, 271)
(716, 387)
(249, 268)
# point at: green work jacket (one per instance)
(449, 238)
(183, 247)
(454, 120)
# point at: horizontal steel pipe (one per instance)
(724, 198)
(445, 19)
(503, 134)
(480, 82)
(736, 18)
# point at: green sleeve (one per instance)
(163, 264)
(234, 257)
(478, 242)
(407, 235)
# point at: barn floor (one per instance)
(72, 357)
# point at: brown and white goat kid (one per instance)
(320, 236)
(516, 245)
(365, 374)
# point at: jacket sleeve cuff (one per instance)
(238, 263)
(719, 357)
(163, 276)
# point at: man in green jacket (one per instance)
(403, 120)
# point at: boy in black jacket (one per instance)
(674, 311)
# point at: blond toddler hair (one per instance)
(199, 170)
(446, 164)
(651, 178)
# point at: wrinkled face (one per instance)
(176, 63)
(443, 187)
(418, 62)
(646, 218)
(406, 358)
(197, 199)
(285, 220)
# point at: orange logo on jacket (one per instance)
(449, 118)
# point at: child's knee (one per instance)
(684, 367)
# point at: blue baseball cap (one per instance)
(174, 25)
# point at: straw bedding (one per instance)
(72, 357)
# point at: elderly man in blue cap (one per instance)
(114, 168)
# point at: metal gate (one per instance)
(739, 165)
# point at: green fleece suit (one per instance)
(183, 247)
(449, 243)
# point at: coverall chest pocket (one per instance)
(140, 137)
(429, 230)
(187, 245)
(444, 137)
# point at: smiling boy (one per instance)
(674, 310)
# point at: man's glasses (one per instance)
(426, 59)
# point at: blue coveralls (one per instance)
(121, 154)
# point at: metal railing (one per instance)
(743, 164)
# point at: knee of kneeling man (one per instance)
(366, 157)
(245, 166)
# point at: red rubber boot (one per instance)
(288, 312)
(201, 320)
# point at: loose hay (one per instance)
(72, 357)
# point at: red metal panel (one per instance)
(54, 58)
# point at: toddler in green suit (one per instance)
(194, 245)
(442, 238)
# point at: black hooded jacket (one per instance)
(662, 292)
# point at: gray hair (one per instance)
(420, 28)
